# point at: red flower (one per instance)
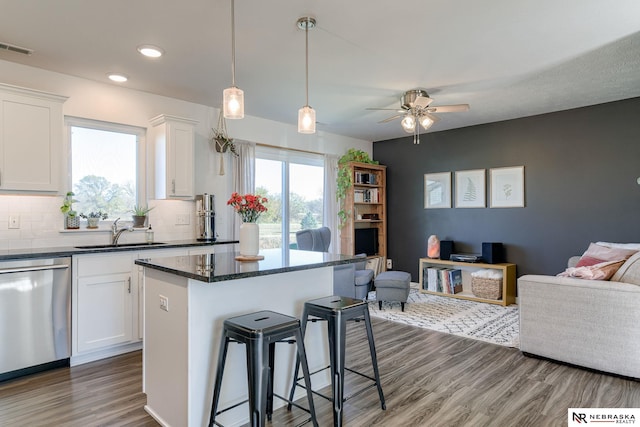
(249, 206)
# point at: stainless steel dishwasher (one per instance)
(35, 315)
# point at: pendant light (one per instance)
(233, 97)
(306, 115)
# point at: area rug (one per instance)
(481, 321)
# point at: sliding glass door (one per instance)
(293, 182)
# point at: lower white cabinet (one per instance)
(107, 309)
(103, 292)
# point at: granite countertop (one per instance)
(66, 251)
(223, 266)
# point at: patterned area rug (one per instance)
(486, 322)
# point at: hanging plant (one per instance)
(345, 178)
(220, 139)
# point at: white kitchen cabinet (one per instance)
(31, 139)
(102, 309)
(173, 140)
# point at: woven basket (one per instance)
(486, 288)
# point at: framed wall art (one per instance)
(437, 190)
(507, 187)
(471, 189)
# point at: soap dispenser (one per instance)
(149, 234)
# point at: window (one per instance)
(107, 172)
(293, 182)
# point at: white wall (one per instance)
(41, 220)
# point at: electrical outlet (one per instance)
(164, 303)
(182, 219)
(14, 221)
(389, 264)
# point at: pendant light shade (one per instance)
(233, 98)
(306, 120)
(306, 115)
(233, 103)
(408, 123)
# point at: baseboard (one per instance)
(103, 354)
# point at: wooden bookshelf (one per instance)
(508, 279)
(366, 206)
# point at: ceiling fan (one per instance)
(416, 108)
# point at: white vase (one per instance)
(249, 239)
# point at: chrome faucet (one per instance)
(115, 233)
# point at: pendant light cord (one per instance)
(306, 48)
(233, 45)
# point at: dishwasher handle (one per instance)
(34, 268)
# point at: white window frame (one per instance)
(141, 149)
(287, 156)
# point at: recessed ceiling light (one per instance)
(117, 77)
(150, 51)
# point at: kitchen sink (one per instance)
(119, 245)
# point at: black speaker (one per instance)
(492, 253)
(446, 249)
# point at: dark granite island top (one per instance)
(223, 266)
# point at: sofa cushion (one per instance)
(596, 254)
(601, 271)
(629, 272)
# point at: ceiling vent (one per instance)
(14, 48)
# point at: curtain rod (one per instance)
(291, 149)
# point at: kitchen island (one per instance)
(187, 300)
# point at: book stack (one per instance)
(443, 280)
(365, 178)
(366, 196)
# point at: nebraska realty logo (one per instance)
(582, 416)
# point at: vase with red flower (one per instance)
(249, 207)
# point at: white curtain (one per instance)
(244, 173)
(330, 208)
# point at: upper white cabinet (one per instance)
(173, 140)
(31, 139)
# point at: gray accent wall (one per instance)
(580, 167)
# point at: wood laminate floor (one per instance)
(429, 379)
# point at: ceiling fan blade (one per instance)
(449, 108)
(388, 119)
(422, 102)
(385, 109)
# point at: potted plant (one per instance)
(345, 180)
(140, 215)
(221, 141)
(71, 220)
(93, 218)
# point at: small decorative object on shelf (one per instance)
(140, 215)
(93, 218)
(249, 207)
(433, 246)
(149, 234)
(71, 219)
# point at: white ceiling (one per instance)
(505, 58)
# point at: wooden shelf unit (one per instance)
(378, 207)
(508, 279)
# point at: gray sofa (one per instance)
(589, 323)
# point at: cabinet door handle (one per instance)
(173, 186)
(129, 285)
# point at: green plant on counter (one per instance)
(99, 214)
(139, 210)
(67, 204)
(345, 178)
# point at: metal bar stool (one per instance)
(260, 331)
(337, 311)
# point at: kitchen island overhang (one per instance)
(182, 333)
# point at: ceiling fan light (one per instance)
(408, 123)
(306, 120)
(426, 122)
(233, 103)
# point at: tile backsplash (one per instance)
(40, 224)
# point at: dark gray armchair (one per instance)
(317, 239)
(353, 280)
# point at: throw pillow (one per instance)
(596, 254)
(601, 271)
(629, 272)
(634, 246)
